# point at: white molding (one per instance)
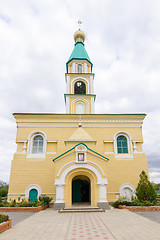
(73, 67)
(97, 167)
(76, 79)
(68, 84)
(101, 182)
(17, 194)
(124, 157)
(126, 185)
(52, 141)
(138, 152)
(121, 156)
(108, 152)
(85, 67)
(92, 105)
(79, 99)
(108, 141)
(20, 152)
(51, 152)
(64, 167)
(44, 126)
(31, 155)
(33, 186)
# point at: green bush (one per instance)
(145, 191)
(122, 201)
(13, 203)
(45, 200)
(3, 191)
(25, 204)
(3, 218)
(136, 202)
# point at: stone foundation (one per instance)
(5, 225)
(104, 205)
(140, 208)
(23, 209)
(59, 206)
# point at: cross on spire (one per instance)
(79, 23)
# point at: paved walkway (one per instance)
(17, 217)
(113, 224)
(154, 216)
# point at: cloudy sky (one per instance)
(123, 42)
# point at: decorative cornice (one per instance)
(77, 121)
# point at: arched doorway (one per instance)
(33, 194)
(81, 190)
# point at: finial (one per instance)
(79, 24)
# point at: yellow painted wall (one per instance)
(43, 172)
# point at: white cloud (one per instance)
(122, 40)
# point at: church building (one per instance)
(79, 156)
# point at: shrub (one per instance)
(45, 199)
(3, 218)
(25, 204)
(136, 202)
(145, 191)
(3, 191)
(13, 203)
(122, 201)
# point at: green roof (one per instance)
(86, 147)
(79, 52)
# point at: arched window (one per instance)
(122, 146)
(80, 108)
(37, 144)
(79, 68)
(79, 87)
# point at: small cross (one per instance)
(79, 23)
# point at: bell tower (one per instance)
(79, 97)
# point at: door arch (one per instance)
(81, 189)
(33, 194)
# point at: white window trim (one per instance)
(84, 151)
(126, 185)
(31, 155)
(121, 156)
(33, 186)
(81, 66)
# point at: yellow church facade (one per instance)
(79, 156)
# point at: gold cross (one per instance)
(79, 23)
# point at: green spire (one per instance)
(79, 51)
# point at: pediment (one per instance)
(80, 135)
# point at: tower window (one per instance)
(80, 108)
(79, 88)
(37, 144)
(122, 144)
(79, 68)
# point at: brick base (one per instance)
(140, 209)
(23, 209)
(5, 225)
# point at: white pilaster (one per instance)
(59, 192)
(73, 67)
(102, 193)
(85, 67)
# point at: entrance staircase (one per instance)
(80, 209)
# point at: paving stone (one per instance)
(113, 224)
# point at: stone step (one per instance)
(81, 209)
